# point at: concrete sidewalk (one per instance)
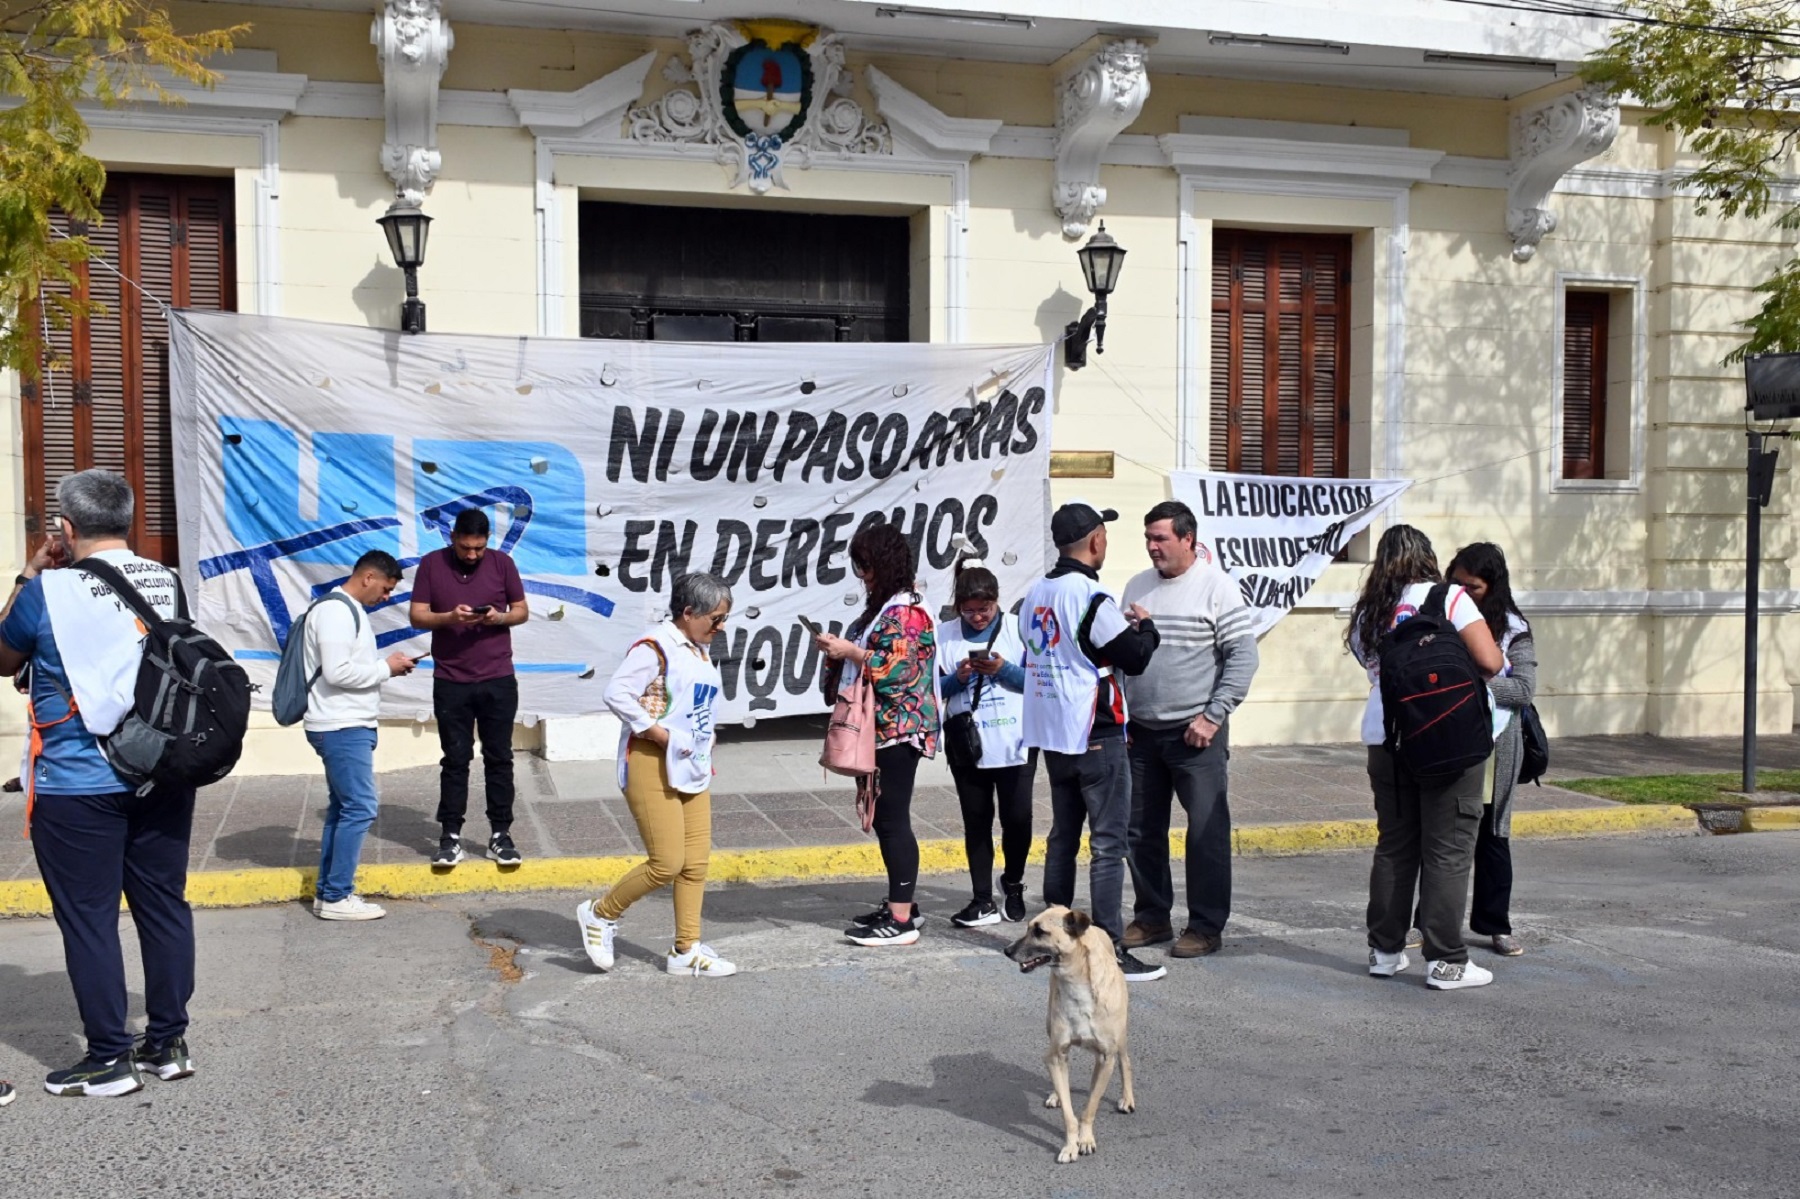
(773, 795)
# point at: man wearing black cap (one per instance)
(1076, 638)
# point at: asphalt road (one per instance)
(1642, 1047)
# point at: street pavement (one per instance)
(771, 793)
(463, 1047)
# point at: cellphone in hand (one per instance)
(417, 658)
(980, 655)
(483, 610)
(812, 626)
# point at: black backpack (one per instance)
(186, 726)
(1433, 698)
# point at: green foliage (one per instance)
(56, 55)
(1678, 788)
(1720, 73)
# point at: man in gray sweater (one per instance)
(1179, 708)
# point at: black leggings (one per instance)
(1490, 911)
(977, 791)
(896, 767)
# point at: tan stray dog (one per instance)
(1087, 1008)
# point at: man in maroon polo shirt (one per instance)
(469, 597)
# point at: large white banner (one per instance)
(607, 468)
(1275, 535)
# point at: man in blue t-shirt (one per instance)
(95, 837)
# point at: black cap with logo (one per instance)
(1076, 519)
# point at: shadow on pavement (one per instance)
(42, 1022)
(981, 1088)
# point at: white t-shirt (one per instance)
(1459, 609)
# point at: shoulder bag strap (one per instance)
(355, 623)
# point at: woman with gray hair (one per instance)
(664, 693)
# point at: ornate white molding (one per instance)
(412, 42)
(1096, 101)
(601, 105)
(1547, 142)
(697, 110)
(920, 127)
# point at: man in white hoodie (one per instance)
(342, 709)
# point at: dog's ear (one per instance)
(1076, 923)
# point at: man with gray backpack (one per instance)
(331, 649)
(82, 612)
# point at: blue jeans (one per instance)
(1095, 788)
(349, 757)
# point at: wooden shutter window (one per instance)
(108, 403)
(1280, 350)
(1584, 384)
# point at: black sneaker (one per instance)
(449, 851)
(978, 913)
(880, 914)
(502, 850)
(99, 1079)
(1013, 906)
(1137, 971)
(7, 1094)
(885, 931)
(169, 1062)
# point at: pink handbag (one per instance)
(850, 736)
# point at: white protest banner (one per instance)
(1275, 535)
(607, 468)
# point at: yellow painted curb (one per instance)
(1763, 820)
(862, 859)
(1580, 822)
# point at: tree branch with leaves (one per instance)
(1721, 74)
(56, 56)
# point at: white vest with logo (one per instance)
(1061, 684)
(1000, 719)
(693, 688)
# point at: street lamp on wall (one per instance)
(1101, 261)
(407, 229)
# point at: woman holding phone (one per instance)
(982, 679)
(895, 640)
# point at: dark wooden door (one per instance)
(1280, 354)
(651, 272)
(102, 393)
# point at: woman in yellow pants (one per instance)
(664, 692)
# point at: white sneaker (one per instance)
(1452, 976)
(1386, 965)
(597, 933)
(350, 907)
(701, 961)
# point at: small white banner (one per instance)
(1275, 535)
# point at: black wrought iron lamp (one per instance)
(1101, 261)
(407, 228)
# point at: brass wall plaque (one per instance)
(1081, 464)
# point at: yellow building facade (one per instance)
(1481, 194)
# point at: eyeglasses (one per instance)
(718, 622)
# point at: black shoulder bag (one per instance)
(962, 736)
